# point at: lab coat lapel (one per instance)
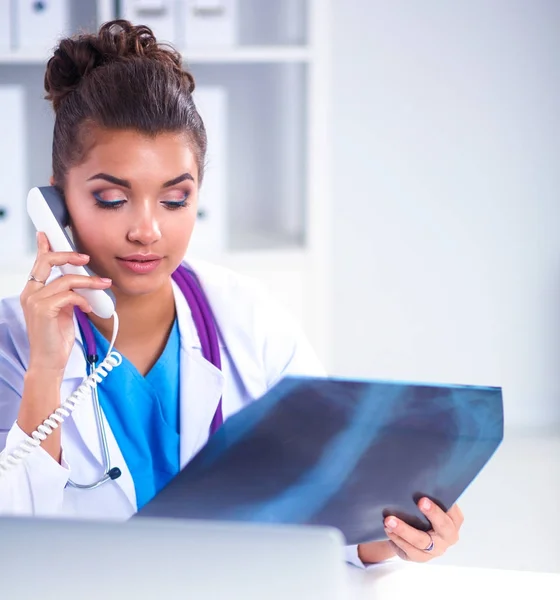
(201, 385)
(85, 423)
(84, 415)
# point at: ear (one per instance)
(51, 180)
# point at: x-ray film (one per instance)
(340, 453)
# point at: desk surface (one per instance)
(432, 582)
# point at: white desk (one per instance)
(398, 581)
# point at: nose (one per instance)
(145, 229)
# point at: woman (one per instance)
(128, 158)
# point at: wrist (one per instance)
(41, 397)
(43, 376)
(375, 552)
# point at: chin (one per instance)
(140, 285)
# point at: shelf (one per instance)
(249, 54)
(242, 54)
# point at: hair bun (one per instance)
(117, 41)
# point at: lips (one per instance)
(141, 257)
(141, 263)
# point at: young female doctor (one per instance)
(128, 157)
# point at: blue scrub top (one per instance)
(143, 413)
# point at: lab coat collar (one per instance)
(201, 387)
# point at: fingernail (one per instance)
(426, 504)
(391, 523)
(106, 280)
(83, 255)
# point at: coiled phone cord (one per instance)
(19, 454)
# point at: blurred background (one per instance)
(389, 170)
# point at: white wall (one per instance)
(446, 260)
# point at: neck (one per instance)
(140, 317)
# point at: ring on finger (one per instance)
(33, 278)
(430, 546)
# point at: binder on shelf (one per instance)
(39, 25)
(161, 16)
(14, 232)
(209, 237)
(5, 26)
(210, 23)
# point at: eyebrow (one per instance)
(125, 183)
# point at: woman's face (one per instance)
(132, 205)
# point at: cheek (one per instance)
(94, 236)
(95, 240)
(178, 231)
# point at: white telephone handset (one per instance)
(48, 212)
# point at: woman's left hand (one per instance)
(420, 546)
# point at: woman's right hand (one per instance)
(49, 308)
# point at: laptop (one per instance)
(149, 558)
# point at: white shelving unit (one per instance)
(277, 82)
(247, 54)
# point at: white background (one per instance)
(446, 146)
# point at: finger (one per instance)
(411, 552)
(456, 515)
(43, 245)
(45, 262)
(46, 259)
(56, 303)
(43, 248)
(415, 537)
(398, 551)
(49, 260)
(441, 522)
(74, 282)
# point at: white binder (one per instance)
(40, 25)
(14, 231)
(5, 26)
(209, 238)
(160, 16)
(210, 23)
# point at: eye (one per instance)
(109, 199)
(176, 199)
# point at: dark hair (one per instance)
(119, 78)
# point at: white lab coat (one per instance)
(259, 344)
